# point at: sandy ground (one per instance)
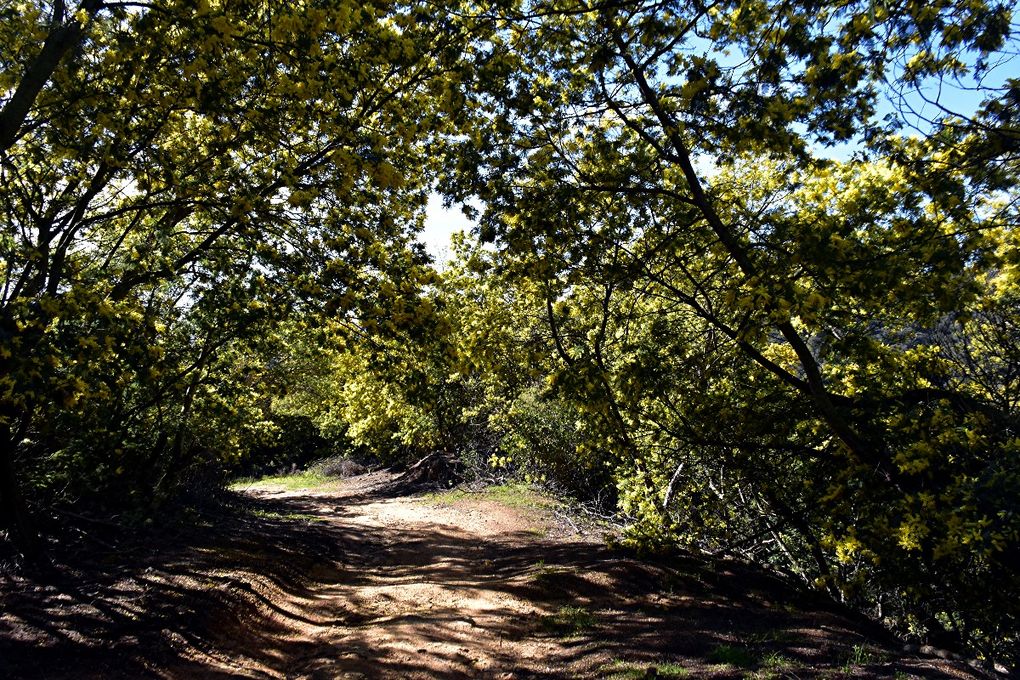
(347, 581)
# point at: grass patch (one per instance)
(776, 661)
(291, 516)
(858, 655)
(624, 670)
(861, 655)
(733, 656)
(509, 495)
(292, 482)
(773, 667)
(568, 622)
(546, 577)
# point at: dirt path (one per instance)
(437, 589)
(344, 581)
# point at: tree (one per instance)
(754, 324)
(179, 176)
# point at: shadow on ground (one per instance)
(294, 586)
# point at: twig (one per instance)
(566, 518)
(91, 520)
(92, 538)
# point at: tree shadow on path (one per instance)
(332, 584)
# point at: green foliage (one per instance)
(687, 307)
(773, 665)
(538, 437)
(774, 354)
(178, 180)
(296, 481)
(350, 394)
(510, 495)
(621, 670)
(860, 655)
(294, 443)
(293, 516)
(568, 621)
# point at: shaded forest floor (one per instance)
(347, 580)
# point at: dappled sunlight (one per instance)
(357, 583)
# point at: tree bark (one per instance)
(63, 38)
(177, 462)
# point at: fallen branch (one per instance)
(559, 514)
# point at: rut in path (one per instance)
(345, 581)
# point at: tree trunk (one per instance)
(176, 462)
(63, 38)
(13, 511)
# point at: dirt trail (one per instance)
(344, 581)
(436, 588)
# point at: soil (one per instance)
(348, 580)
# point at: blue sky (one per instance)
(962, 97)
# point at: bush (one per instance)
(338, 466)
